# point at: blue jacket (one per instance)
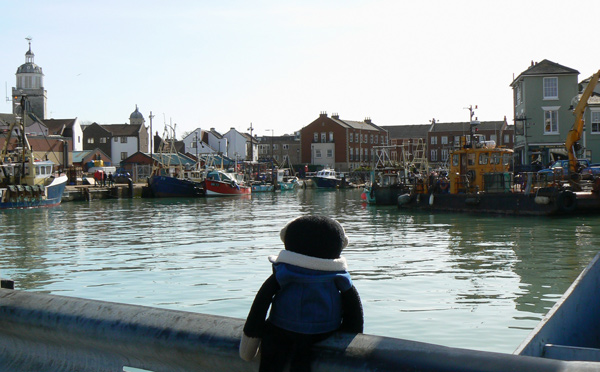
(309, 301)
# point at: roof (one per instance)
(546, 67)
(408, 131)
(78, 156)
(464, 126)
(126, 130)
(172, 159)
(8, 118)
(362, 125)
(57, 126)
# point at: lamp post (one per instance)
(272, 164)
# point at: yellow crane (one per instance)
(574, 135)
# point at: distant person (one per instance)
(104, 179)
(110, 179)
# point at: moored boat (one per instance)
(170, 187)
(326, 179)
(480, 181)
(219, 183)
(262, 187)
(26, 182)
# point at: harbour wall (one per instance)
(42, 332)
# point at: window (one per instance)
(433, 140)
(286, 147)
(444, 154)
(78, 139)
(595, 121)
(102, 139)
(495, 159)
(329, 153)
(551, 88)
(493, 138)
(376, 138)
(350, 138)
(506, 139)
(318, 153)
(433, 154)
(116, 139)
(351, 154)
(323, 137)
(123, 155)
(455, 160)
(275, 146)
(330, 136)
(123, 139)
(470, 159)
(365, 138)
(316, 137)
(550, 120)
(276, 157)
(371, 139)
(444, 140)
(90, 140)
(356, 137)
(483, 158)
(456, 140)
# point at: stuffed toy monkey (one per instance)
(310, 295)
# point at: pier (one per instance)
(41, 332)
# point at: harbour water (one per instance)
(480, 282)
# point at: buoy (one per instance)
(363, 196)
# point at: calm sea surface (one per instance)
(479, 282)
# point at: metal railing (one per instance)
(41, 332)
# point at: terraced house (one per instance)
(339, 143)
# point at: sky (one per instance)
(278, 64)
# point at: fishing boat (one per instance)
(480, 180)
(172, 187)
(220, 183)
(26, 182)
(262, 187)
(174, 174)
(326, 179)
(387, 180)
(286, 180)
(385, 186)
(571, 329)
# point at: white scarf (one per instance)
(309, 262)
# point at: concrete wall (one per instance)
(40, 332)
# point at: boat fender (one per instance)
(403, 199)
(542, 200)
(431, 199)
(566, 201)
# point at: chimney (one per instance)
(323, 114)
(335, 116)
(368, 120)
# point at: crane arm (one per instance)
(576, 131)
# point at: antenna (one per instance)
(8, 99)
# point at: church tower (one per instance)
(30, 83)
(136, 117)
